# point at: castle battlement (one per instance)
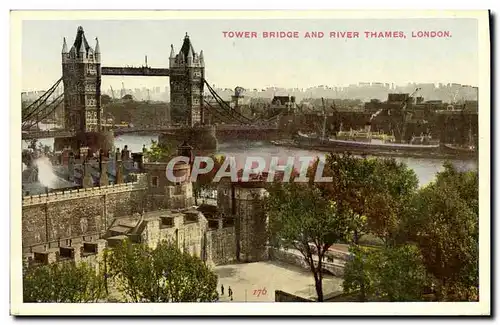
(83, 192)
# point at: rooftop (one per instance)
(31, 185)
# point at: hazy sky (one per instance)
(258, 63)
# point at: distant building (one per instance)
(287, 101)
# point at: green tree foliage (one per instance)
(64, 282)
(138, 113)
(300, 218)
(466, 184)
(444, 222)
(374, 191)
(163, 274)
(159, 152)
(105, 99)
(385, 274)
(437, 245)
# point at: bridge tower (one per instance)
(187, 72)
(81, 67)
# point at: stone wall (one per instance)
(338, 296)
(84, 212)
(189, 235)
(90, 253)
(82, 193)
(282, 296)
(221, 245)
(331, 264)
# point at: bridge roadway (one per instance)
(28, 135)
(135, 71)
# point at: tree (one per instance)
(65, 282)
(159, 152)
(163, 274)
(105, 99)
(444, 222)
(436, 246)
(385, 274)
(300, 218)
(374, 191)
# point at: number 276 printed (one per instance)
(260, 292)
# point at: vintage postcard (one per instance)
(250, 163)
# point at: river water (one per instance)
(425, 168)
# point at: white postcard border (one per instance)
(189, 309)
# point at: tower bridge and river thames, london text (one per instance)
(338, 34)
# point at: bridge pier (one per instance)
(93, 140)
(201, 138)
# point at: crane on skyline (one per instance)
(112, 91)
(123, 93)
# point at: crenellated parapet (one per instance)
(90, 252)
(140, 184)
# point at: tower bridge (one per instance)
(82, 72)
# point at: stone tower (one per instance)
(243, 202)
(187, 72)
(81, 67)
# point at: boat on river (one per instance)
(381, 147)
(369, 144)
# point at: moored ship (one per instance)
(369, 143)
(373, 146)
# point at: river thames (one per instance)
(425, 168)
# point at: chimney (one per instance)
(103, 170)
(88, 181)
(138, 158)
(71, 167)
(103, 179)
(125, 153)
(100, 160)
(119, 172)
(185, 150)
(118, 167)
(117, 155)
(84, 153)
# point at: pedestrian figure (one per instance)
(230, 293)
(222, 289)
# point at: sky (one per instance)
(259, 63)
